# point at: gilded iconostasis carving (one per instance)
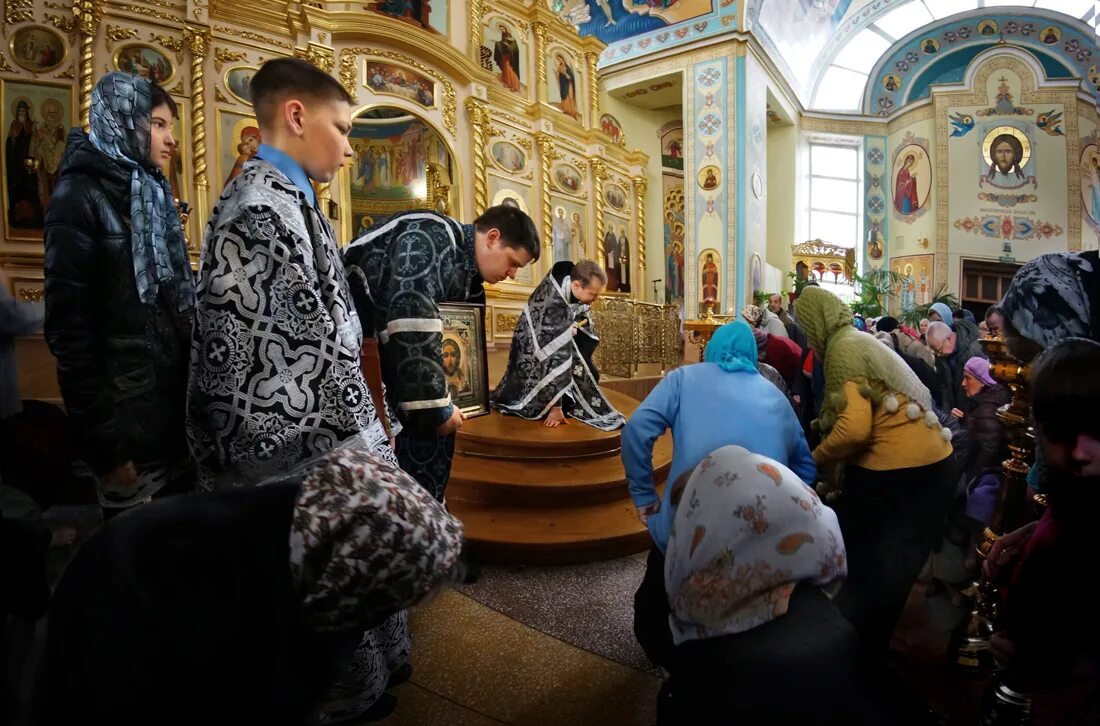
(448, 115)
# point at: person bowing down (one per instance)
(550, 370)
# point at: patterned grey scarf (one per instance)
(121, 118)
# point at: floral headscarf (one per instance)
(747, 531)
(121, 120)
(732, 347)
(1054, 297)
(753, 315)
(366, 541)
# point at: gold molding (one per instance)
(477, 11)
(66, 25)
(198, 43)
(593, 87)
(321, 56)
(224, 55)
(641, 184)
(547, 156)
(599, 173)
(4, 65)
(263, 40)
(17, 11)
(349, 77)
(87, 14)
(67, 74)
(540, 29)
(505, 322)
(118, 33)
(141, 10)
(175, 45)
(479, 126)
(855, 127)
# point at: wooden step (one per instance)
(499, 534)
(498, 436)
(549, 483)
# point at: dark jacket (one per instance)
(183, 588)
(985, 432)
(122, 365)
(803, 667)
(950, 369)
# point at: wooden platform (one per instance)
(530, 494)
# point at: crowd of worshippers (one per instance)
(818, 460)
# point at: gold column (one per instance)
(477, 9)
(548, 155)
(479, 119)
(540, 57)
(87, 14)
(593, 86)
(599, 171)
(641, 184)
(196, 42)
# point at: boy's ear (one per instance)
(294, 112)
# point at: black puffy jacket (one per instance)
(122, 364)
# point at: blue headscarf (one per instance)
(944, 312)
(120, 120)
(733, 348)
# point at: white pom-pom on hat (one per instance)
(912, 412)
(892, 404)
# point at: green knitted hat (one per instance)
(851, 355)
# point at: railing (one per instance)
(632, 333)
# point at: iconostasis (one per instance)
(458, 106)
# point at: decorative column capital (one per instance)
(319, 55)
(599, 168)
(641, 184)
(196, 40)
(87, 14)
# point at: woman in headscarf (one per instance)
(239, 607)
(877, 419)
(759, 317)
(723, 400)
(1051, 298)
(754, 560)
(120, 295)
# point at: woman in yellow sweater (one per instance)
(877, 420)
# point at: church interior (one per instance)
(708, 155)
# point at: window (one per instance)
(834, 194)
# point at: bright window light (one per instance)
(862, 51)
(943, 8)
(1076, 8)
(1016, 3)
(836, 229)
(840, 162)
(840, 90)
(835, 196)
(905, 19)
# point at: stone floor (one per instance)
(555, 645)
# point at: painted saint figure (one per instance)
(47, 148)
(611, 260)
(1095, 172)
(624, 261)
(709, 279)
(457, 382)
(567, 87)
(576, 237)
(561, 236)
(24, 205)
(246, 149)
(1005, 153)
(905, 187)
(506, 56)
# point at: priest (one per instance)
(550, 371)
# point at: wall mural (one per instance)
(672, 145)
(615, 20)
(1090, 179)
(37, 48)
(508, 156)
(145, 61)
(919, 277)
(569, 237)
(912, 179)
(876, 194)
(511, 192)
(37, 117)
(673, 195)
(238, 142)
(615, 196)
(565, 83)
(711, 135)
(426, 14)
(391, 158)
(614, 130)
(1007, 227)
(237, 80)
(504, 53)
(568, 179)
(909, 72)
(617, 256)
(710, 266)
(388, 79)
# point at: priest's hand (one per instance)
(453, 424)
(556, 417)
(123, 476)
(644, 513)
(1006, 551)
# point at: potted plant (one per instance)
(913, 316)
(873, 291)
(799, 285)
